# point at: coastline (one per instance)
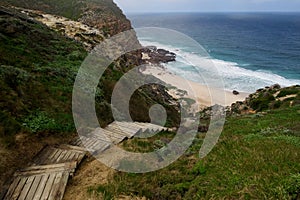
(204, 95)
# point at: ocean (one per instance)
(251, 50)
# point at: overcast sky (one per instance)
(133, 6)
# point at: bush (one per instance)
(288, 91)
(262, 102)
(40, 121)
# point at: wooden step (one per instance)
(94, 144)
(59, 154)
(121, 131)
(128, 125)
(40, 182)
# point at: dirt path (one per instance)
(91, 173)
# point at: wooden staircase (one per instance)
(50, 170)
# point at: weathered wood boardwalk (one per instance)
(41, 182)
(50, 170)
(48, 176)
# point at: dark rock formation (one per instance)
(235, 92)
(155, 56)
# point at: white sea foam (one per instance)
(206, 70)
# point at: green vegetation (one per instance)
(37, 70)
(97, 13)
(72, 9)
(37, 78)
(257, 157)
(38, 67)
(288, 91)
(262, 102)
(148, 145)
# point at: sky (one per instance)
(143, 6)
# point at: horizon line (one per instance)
(186, 12)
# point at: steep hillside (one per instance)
(256, 157)
(103, 14)
(38, 66)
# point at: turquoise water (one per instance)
(251, 50)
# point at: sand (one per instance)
(204, 95)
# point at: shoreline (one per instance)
(204, 95)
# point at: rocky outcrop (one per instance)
(101, 14)
(88, 36)
(268, 98)
(155, 56)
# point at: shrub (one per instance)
(41, 121)
(288, 91)
(262, 102)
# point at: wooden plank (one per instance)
(73, 148)
(98, 151)
(34, 187)
(66, 165)
(12, 188)
(55, 151)
(42, 155)
(157, 127)
(67, 156)
(76, 157)
(128, 125)
(56, 156)
(19, 188)
(143, 126)
(39, 191)
(79, 142)
(117, 130)
(48, 186)
(26, 188)
(114, 134)
(34, 170)
(95, 142)
(59, 187)
(122, 129)
(72, 156)
(61, 156)
(89, 142)
(100, 136)
(76, 142)
(55, 184)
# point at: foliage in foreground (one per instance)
(257, 157)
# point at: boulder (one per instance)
(235, 92)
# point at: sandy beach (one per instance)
(202, 94)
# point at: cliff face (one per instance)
(102, 14)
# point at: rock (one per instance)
(276, 87)
(202, 129)
(235, 92)
(157, 56)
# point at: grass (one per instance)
(288, 91)
(257, 157)
(138, 145)
(37, 70)
(38, 67)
